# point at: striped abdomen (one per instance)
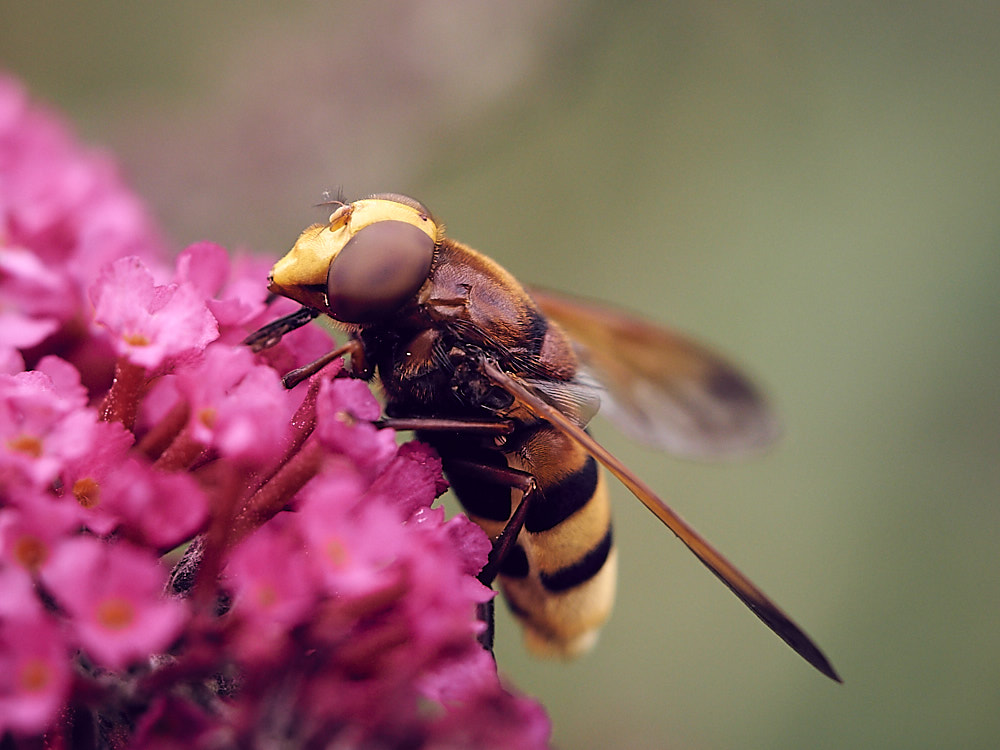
(559, 579)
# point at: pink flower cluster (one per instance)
(322, 601)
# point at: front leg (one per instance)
(272, 333)
(359, 366)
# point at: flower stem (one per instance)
(122, 402)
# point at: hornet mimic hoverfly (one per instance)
(502, 382)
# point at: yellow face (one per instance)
(302, 274)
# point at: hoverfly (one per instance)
(502, 382)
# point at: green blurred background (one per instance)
(813, 187)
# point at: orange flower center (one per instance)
(136, 339)
(27, 444)
(267, 596)
(35, 675)
(30, 551)
(207, 417)
(337, 552)
(115, 613)
(87, 492)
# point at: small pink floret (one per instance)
(114, 594)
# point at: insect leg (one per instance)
(489, 427)
(269, 335)
(486, 614)
(505, 542)
(518, 480)
(499, 475)
(358, 367)
(503, 476)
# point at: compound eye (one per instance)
(404, 199)
(378, 271)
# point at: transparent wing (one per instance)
(579, 399)
(660, 387)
